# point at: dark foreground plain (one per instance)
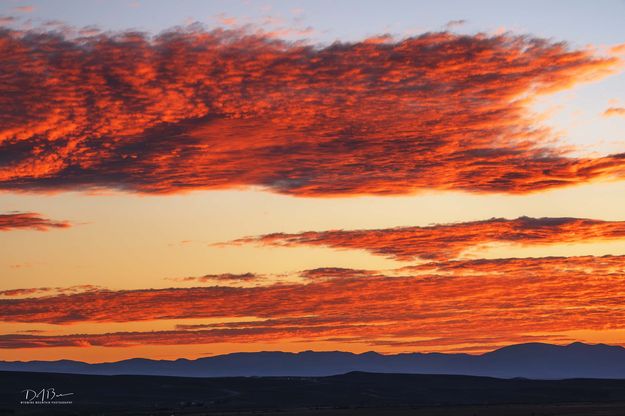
(349, 394)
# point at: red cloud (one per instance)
(222, 109)
(446, 241)
(29, 220)
(446, 302)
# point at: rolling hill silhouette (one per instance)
(532, 360)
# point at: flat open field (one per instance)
(349, 394)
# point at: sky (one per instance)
(200, 178)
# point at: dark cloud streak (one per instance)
(29, 221)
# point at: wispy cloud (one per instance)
(228, 109)
(25, 9)
(447, 241)
(48, 291)
(222, 277)
(5, 20)
(452, 24)
(614, 111)
(446, 303)
(226, 20)
(29, 220)
(227, 279)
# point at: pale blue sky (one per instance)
(576, 21)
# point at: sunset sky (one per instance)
(204, 177)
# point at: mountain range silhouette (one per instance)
(531, 360)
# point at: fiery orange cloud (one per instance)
(614, 111)
(227, 109)
(29, 220)
(436, 304)
(446, 241)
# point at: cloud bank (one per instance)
(445, 303)
(222, 109)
